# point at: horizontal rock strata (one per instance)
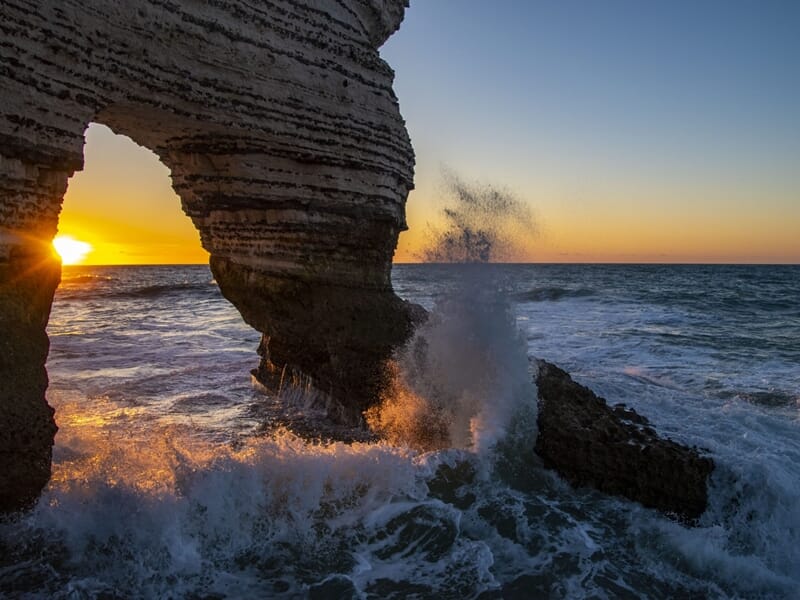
(285, 144)
(615, 450)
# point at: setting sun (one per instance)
(71, 251)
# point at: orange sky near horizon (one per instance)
(614, 224)
(123, 204)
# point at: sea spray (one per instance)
(482, 223)
(464, 373)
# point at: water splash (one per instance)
(464, 373)
(481, 223)
(460, 379)
(168, 515)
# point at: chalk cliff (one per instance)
(285, 143)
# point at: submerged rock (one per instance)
(614, 449)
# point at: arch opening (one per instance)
(138, 330)
(123, 205)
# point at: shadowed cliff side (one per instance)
(285, 144)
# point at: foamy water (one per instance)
(174, 478)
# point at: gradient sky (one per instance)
(636, 131)
(123, 204)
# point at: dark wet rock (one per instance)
(770, 399)
(614, 449)
(347, 336)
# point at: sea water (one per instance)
(175, 477)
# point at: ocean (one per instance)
(175, 477)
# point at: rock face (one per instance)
(287, 148)
(615, 450)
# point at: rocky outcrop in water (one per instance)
(614, 449)
(285, 144)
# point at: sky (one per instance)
(635, 131)
(123, 204)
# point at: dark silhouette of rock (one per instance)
(614, 449)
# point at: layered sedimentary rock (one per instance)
(615, 450)
(285, 143)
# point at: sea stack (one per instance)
(285, 144)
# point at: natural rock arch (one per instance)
(287, 149)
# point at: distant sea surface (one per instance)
(174, 477)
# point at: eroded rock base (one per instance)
(614, 449)
(336, 338)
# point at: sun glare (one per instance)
(71, 251)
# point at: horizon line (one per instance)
(515, 263)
